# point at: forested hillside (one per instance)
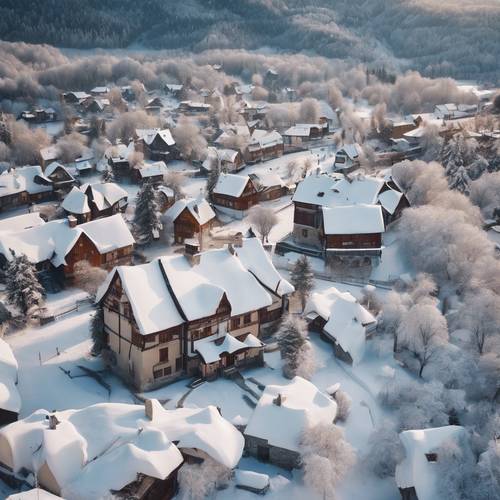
(450, 37)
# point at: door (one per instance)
(263, 453)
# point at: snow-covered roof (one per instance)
(352, 151)
(153, 169)
(76, 202)
(231, 184)
(415, 470)
(100, 90)
(266, 139)
(152, 305)
(149, 135)
(103, 447)
(10, 398)
(346, 319)
(34, 494)
(168, 192)
(52, 167)
(302, 405)
(199, 208)
(300, 130)
(267, 180)
(255, 258)
(390, 200)
(20, 222)
(54, 240)
(105, 195)
(251, 479)
(211, 350)
(50, 153)
(22, 179)
(353, 219)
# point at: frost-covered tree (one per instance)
(199, 481)
(385, 450)
(324, 446)
(302, 278)
(422, 331)
(343, 405)
(263, 219)
(306, 362)
(431, 143)
(23, 289)
(370, 299)
(487, 486)
(485, 193)
(88, 277)
(175, 181)
(147, 215)
(124, 125)
(292, 341)
(97, 333)
(309, 110)
(189, 139)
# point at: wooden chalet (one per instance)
(269, 186)
(61, 179)
(303, 133)
(264, 145)
(156, 144)
(234, 194)
(39, 115)
(165, 197)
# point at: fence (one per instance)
(50, 315)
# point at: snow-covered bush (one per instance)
(302, 279)
(263, 219)
(88, 277)
(385, 451)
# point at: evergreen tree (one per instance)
(292, 341)
(213, 176)
(22, 287)
(147, 216)
(302, 279)
(97, 333)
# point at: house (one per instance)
(176, 90)
(329, 116)
(302, 133)
(452, 111)
(264, 145)
(234, 194)
(48, 155)
(76, 205)
(74, 97)
(156, 144)
(397, 129)
(10, 399)
(193, 107)
(23, 186)
(253, 110)
(229, 160)
(95, 105)
(342, 321)
(353, 234)
(105, 199)
(117, 157)
(34, 494)
(62, 180)
(274, 430)
(269, 186)
(417, 476)
(60, 244)
(100, 91)
(166, 197)
(347, 158)
(185, 315)
(39, 115)
(152, 172)
(154, 105)
(271, 79)
(192, 217)
(393, 202)
(135, 451)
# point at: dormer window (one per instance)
(431, 457)
(321, 194)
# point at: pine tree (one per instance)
(213, 176)
(292, 338)
(302, 279)
(99, 337)
(147, 216)
(22, 287)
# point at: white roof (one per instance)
(266, 139)
(390, 199)
(231, 184)
(346, 319)
(100, 90)
(152, 305)
(302, 405)
(149, 135)
(103, 447)
(199, 208)
(300, 130)
(267, 180)
(105, 195)
(76, 202)
(153, 169)
(352, 151)
(211, 350)
(168, 192)
(10, 398)
(50, 153)
(256, 260)
(20, 222)
(22, 179)
(415, 470)
(353, 219)
(52, 167)
(34, 494)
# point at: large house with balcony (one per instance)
(197, 314)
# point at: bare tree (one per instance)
(263, 219)
(123, 127)
(71, 146)
(88, 277)
(175, 181)
(309, 110)
(189, 139)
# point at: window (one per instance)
(247, 319)
(431, 457)
(137, 338)
(164, 354)
(304, 233)
(235, 323)
(158, 373)
(178, 364)
(164, 337)
(167, 371)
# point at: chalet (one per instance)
(166, 197)
(76, 205)
(74, 97)
(49, 155)
(452, 111)
(274, 431)
(39, 115)
(271, 79)
(192, 217)
(117, 157)
(193, 107)
(23, 186)
(105, 199)
(10, 399)
(154, 106)
(59, 244)
(342, 321)
(100, 91)
(417, 476)
(95, 105)
(185, 315)
(253, 110)
(156, 144)
(135, 451)
(234, 194)
(61, 179)
(353, 232)
(291, 94)
(231, 133)
(151, 172)
(269, 186)
(176, 90)
(264, 145)
(229, 160)
(397, 129)
(83, 167)
(328, 116)
(393, 202)
(304, 132)
(243, 91)
(347, 158)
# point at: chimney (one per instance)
(148, 409)
(192, 251)
(72, 222)
(279, 400)
(238, 240)
(53, 421)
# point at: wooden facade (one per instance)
(246, 200)
(186, 226)
(256, 152)
(354, 241)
